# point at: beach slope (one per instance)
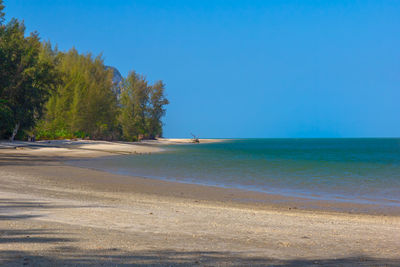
(54, 214)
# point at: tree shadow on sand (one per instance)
(10, 207)
(12, 210)
(30, 236)
(70, 256)
(11, 159)
(61, 251)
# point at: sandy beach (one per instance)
(56, 214)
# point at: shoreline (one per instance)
(52, 214)
(252, 198)
(64, 152)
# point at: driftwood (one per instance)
(195, 139)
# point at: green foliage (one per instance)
(156, 110)
(6, 121)
(142, 108)
(58, 134)
(84, 101)
(26, 77)
(134, 99)
(58, 95)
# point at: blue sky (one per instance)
(245, 68)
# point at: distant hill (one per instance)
(117, 80)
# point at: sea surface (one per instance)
(365, 171)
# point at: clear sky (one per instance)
(245, 68)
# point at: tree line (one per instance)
(53, 94)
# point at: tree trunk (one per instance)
(15, 131)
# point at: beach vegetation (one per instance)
(83, 101)
(157, 110)
(5, 117)
(134, 99)
(27, 77)
(52, 94)
(142, 107)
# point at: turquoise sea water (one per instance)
(354, 170)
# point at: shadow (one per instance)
(31, 236)
(33, 240)
(71, 256)
(11, 204)
(18, 217)
(12, 210)
(15, 159)
(10, 158)
(59, 250)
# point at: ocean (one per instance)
(365, 170)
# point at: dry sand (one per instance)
(54, 214)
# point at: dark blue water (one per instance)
(353, 170)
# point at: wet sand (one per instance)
(54, 214)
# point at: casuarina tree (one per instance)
(26, 76)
